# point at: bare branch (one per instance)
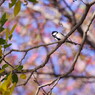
(92, 3)
(47, 84)
(26, 50)
(56, 82)
(36, 81)
(22, 58)
(76, 57)
(80, 48)
(8, 63)
(68, 76)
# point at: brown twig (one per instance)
(47, 84)
(8, 63)
(80, 48)
(77, 55)
(49, 54)
(26, 50)
(22, 58)
(36, 81)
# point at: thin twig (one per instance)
(80, 48)
(47, 84)
(36, 81)
(8, 63)
(26, 50)
(56, 82)
(76, 57)
(22, 58)
(49, 54)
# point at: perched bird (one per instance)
(57, 35)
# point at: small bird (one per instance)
(57, 35)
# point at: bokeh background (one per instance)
(35, 23)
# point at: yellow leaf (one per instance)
(5, 85)
(12, 88)
(8, 15)
(12, 30)
(7, 34)
(17, 7)
(1, 71)
(23, 76)
(6, 92)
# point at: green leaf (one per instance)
(17, 7)
(23, 76)
(1, 28)
(7, 45)
(2, 41)
(14, 78)
(12, 3)
(5, 66)
(20, 67)
(3, 20)
(34, 1)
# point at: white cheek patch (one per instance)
(54, 34)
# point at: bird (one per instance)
(57, 35)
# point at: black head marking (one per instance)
(54, 32)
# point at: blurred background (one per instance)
(35, 23)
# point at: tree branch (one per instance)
(76, 57)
